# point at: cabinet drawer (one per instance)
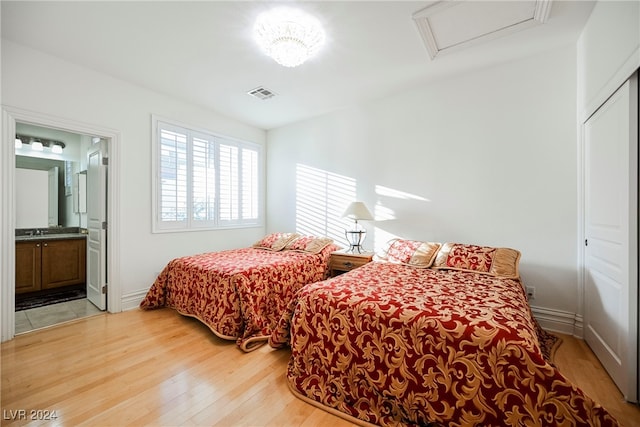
(342, 262)
(347, 263)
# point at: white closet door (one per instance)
(611, 230)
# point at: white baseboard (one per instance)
(558, 321)
(132, 301)
(578, 327)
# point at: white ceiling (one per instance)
(203, 51)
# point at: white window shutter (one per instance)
(250, 188)
(173, 177)
(229, 210)
(203, 181)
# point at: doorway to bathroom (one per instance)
(107, 265)
(60, 183)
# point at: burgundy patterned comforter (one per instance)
(239, 294)
(389, 344)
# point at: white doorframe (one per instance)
(7, 212)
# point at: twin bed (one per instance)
(240, 294)
(427, 334)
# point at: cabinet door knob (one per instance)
(46, 244)
(37, 245)
(348, 264)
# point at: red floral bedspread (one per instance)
(395, 345)
(239, 294)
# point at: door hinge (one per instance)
(104, 225)
(105, 161)
(104, 289)
(586, 242)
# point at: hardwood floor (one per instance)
(160, 368)
(148, 368)
(577, 362)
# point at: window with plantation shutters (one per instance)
(204, 181)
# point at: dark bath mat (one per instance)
(55, 296)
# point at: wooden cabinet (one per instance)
(63, 262)
(341, 262)
(47, 264)
(28, 266)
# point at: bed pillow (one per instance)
(311, 244)
(275, 241)
(498, 262)
(410, 252)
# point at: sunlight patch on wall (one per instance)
(397, 194)
(383, 213)
(394, 212)
(321, 198)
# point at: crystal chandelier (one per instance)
(288, 35)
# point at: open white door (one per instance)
(611, 232)
(97, 225)
(53, 197)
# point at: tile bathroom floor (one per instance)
(41, 317)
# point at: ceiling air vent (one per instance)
(261, 93)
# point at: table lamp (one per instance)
(356, 211)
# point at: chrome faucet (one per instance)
(36, 232)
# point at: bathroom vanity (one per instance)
(47, 261)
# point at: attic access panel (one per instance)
(449, 25)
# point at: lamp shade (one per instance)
(357, 211)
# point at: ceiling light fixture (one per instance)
(289, 36)
(37, 146)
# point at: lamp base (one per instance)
(355, 239)
(355, 249)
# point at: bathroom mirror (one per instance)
(37, 205)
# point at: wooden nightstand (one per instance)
(341, 261)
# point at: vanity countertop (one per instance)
(52, 236)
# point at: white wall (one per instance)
(608, 52)
(488, 158)
(47, 85)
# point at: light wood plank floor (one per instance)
(160, 368)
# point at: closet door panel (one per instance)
(611, 229)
